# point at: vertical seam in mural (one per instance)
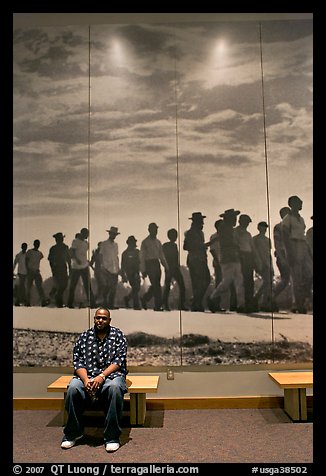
(266, 167)
(89, 150)
(177, 174)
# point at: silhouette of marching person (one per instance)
(310, 239)
(171, 254)
(297, 252)
(230, 264)
(216, 252)
(151, 258)
(60, 263)
(20, 262)
(247, 259)
(96, 265)
(194, 243)
(310, 242)
(80, 268)
(33, 259)
(130, 271)
(109, 255)
(280, 255)
(264, 268)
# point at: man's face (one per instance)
(152, 230)
(84, 234)
(262, 228)
(112, 235)
(102, 320)
(231, 219)
(199, 223)
(296, 203)
(244, 222)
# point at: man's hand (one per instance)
(88, 384)
(93, 385)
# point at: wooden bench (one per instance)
(294, 384)
(138, 386)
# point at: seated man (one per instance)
(99, 359)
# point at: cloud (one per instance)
(291, 133)
(288, 58)
(51, 53)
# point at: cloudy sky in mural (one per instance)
(128, 124)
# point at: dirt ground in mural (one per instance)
(34, 348)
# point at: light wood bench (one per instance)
(138, 386)
(294, 384)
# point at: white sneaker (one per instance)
(112, 447)
(66, 444)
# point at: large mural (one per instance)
(165, 171)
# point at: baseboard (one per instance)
(172, 403)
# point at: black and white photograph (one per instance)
(164, 171)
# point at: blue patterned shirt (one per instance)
(95, 355)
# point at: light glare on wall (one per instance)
(118, 54)
(221, 47)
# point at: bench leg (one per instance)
(295, 403)
(137, 408)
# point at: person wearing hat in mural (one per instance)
(230, 264)
(60, 263)
(151, 259)
(130, 271)
(297, 251)
(194, 244)
(264, 267)
(80, 268)
(247, 259)
(109, 256)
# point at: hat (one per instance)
(262, 223)
(114, 229)
(131, 239)
(197, 216)
(246, 217)
(230, 212)
(59, 235)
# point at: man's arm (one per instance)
(68, 258)
(15, 263)
(109, 370)
(286, 232)
(27, 261)
(82, 374)
(123, 268)
(80, 367)
(72, 252)
(120, 356)
(162, 256)
(142, 256)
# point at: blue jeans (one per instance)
(110, 397)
